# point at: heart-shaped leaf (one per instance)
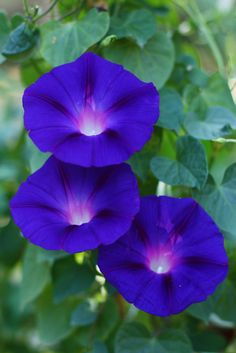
(189, 168)
(219, 200)
(217, 122)
(62, 43)
(139, 25)
(134, 337)
(152, 63)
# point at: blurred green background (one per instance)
(51, 302)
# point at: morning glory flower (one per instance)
(90, 112)
(68, 207)
(172, 256)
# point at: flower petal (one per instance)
(63, 206)
(90, 112)
(172, 257)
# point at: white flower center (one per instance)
(91, 123)
(79, 215)
(162, 264)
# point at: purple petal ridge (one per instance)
(90, 112)
(72, 208)
(172, 256)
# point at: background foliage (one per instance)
(55, 303)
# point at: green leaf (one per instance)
(217, 122)
(218, 306)
(198, 77)
(193, 100)
(171, 110)
(11, 244)
(103, 328)
(53, 319)
(98, 348)
(66, 6)
(8, 170)
(140, 161)
(20, 43)
(202, 310)
(50, 255)
(70, 278)
(108, 40)
(139, 25)
(134, 337)
(62, 43)
(35, 276)
(189, 168)
(11, 111)
(107, 320)
(219, 199)
(217, 93)
(4, 32)
(32, 70)
(225, 306)
(4, 28)
(16, 20)
(152, 63)
(35, 158)
(208, 341)
(85, 314)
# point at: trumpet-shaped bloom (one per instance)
(63, 206)
(90, 112)
(172, 256)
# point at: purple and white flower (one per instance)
(72, 208)
(172, 257)
(90, 112)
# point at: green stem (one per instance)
(233, 87)
(200, 21)
(223, 140)
(117, 8)
(212, 157)
(36, 67)
(26, 7)
(121, 305)
(211, 40)
(46, 11)
(17, 148)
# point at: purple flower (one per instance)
(90, 112)
(172, 256)
(68, 207)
